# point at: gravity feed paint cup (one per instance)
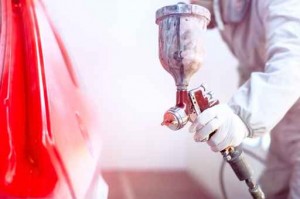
(181, 29)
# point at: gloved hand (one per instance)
(229, 129)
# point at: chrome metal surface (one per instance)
(175, 118)
(181, 29)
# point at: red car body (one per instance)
(49, 140)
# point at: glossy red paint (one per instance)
(49, 140)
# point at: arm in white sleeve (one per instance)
(267, 96)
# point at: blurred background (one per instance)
(114, 47)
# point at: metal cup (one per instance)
(180, 40)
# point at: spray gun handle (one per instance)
(234, 156)
(202, 99)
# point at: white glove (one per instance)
(229, 129)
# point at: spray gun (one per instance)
(180, 51)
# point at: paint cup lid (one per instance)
(182, 9)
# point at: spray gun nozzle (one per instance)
(169, 122)
(175, 118)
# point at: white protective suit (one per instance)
(267, 44)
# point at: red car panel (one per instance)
(49, 140)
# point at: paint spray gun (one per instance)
(181, 28)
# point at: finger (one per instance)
(216, 142)
(206, 116)
(221, 146)
(206, 130)
(194, 125)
